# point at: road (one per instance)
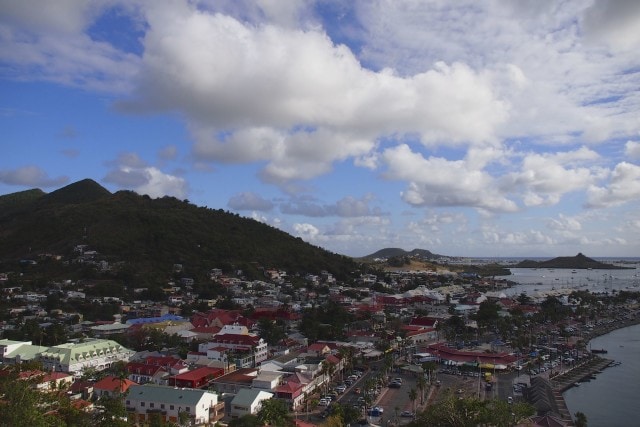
(388, 399)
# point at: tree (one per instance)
(487, 314)
(248, 420)
(275, 412)
(270, 331)
(22, 404)
(413, 395)
(455, 412)
(581, 419)
(421, 383)
(334, 421)
(113, 414)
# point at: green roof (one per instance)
(164, 394)
(69, 353)
(26, 352)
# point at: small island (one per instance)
(576, 262)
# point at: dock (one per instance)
(568, 379)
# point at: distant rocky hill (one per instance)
(150, 235)
(387, 253)
(576, 262)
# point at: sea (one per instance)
(613, 398)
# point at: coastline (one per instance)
(565, 380)
(610, 327)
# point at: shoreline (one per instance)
(610, 327)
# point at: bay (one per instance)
(534, 281)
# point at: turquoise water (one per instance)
(613, 398)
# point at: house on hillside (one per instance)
(112, 386)
(74, 357)
(248, 401)
(197, 378)
(170, 404)
(249, 350)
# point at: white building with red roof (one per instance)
(248, 349)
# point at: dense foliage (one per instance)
(151, 235)
(471, 412)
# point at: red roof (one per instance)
(161, 360)
(114, 384)
(225, 317)
(332, 359)
(274, 314)
(199, 373)
(206, 330)
(419, 332)
(289, 387)
(424, 321)
(143, 368)
(53, 376)
(449, 353)
(247, 340)
(317, 347)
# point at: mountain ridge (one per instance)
(151, 234)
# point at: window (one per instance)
(151, 405)
(187, 409)
(162, 406)
(171, 407)
(128, 402)
(142, 404)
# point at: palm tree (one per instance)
(422, 384)
(346, 353)
(413, 395)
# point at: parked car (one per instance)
(407, 414)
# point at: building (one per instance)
(74, 357)
(201, 406)
(248, 349)
(248, 401)
(16, 352)
(143, 373)
(112, 386)
(235, 381)
(198, 378)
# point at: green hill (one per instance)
(150, 235)
(576, 262)
(421, 254)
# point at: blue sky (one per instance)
(469, 128)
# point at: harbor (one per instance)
(581, 373)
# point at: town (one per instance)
(306, 350)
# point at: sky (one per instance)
(479, 128)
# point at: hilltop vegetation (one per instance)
(577, 262)
(150, 235)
